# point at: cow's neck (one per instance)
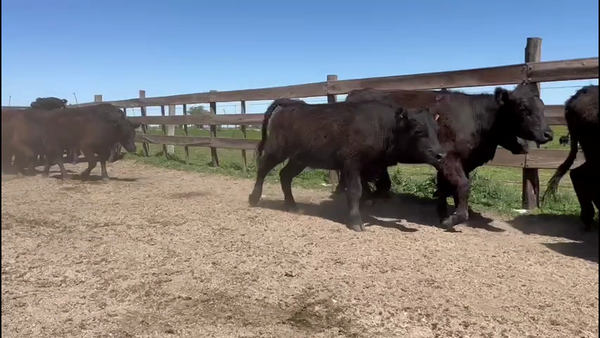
(489, 128)
(488, 116)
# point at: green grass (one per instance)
(495, 189)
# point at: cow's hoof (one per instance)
(253, 199)
(45, 175)
(106, 179)
(450, 222)
(357, 225)
(66, 178)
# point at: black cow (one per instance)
(93, 129)
(347, 136)
(564, 140)
(472, 126)
(49, 103)
(27, 135)
(581, 114)
(414, 99)
(7, 131)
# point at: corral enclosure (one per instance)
(160, 253)
(532, 70)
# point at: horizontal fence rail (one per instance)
(576, 69)
(554, 113)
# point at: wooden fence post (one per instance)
(185, 130)
(334, 176)
(164, 129)
(213, 132)
(145, 145)
(243, 128)
(530, 196)
(171, 130)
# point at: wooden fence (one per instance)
(532, 70)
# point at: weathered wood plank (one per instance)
(564, 70)
(193, 141)
(550, 159)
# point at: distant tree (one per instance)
(198, 110)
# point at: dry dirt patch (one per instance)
(163, 253)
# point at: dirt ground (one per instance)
(163, 253)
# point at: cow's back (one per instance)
(333, 130)
(581, 113)
(93, 125)
(408, 99)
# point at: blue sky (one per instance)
(115, 48)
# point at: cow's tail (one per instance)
(265, 124)
(562, 169)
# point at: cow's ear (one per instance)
(501, 95)
(401, 113)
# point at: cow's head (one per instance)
(417, 132)
(127, 134)
(522, 111)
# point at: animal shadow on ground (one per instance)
(386, 213)
(94, 178)
(584, 245)
(36, 172)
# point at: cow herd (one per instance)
(49, 129)
(452, 131)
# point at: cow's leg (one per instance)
(353, 194)
(33, 161)
(63, 170)
(584, 195)
(18, 164)
(103, 159)
(91, 160)
(47, 165)
(23, 154)
(444, 189)
(75, 155)
(286, 175)
(266, 163)
(366, 193)
(366, 196)
(341, 186)
(383, 185)
(7, 162)
(455, 176)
